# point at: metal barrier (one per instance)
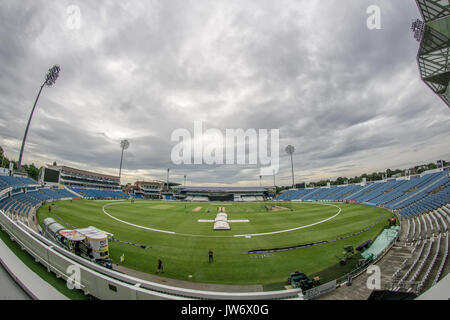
(104, 283)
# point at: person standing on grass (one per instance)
(160, 266)
(49, 209)
(211, 258)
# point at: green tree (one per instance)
(32, 171)
(338, 181)
(2, 158)
(432, 166)
(388, 173)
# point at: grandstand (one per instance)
(21, 196)
(246, 194)
(81, 183)
(76, 178)
(147, 189)
(423, 252)
(417, 263)
(408, 196)
(15, 182)
(99, 193)
(422, 201)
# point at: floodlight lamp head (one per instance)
(124, 144)
(290, 149)
(52, 75)
(418, 28)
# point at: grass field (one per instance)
(185, 252)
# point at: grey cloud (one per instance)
(348, 98)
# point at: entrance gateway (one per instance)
(221, 222)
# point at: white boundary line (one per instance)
(233, 236)
(289, 230)
(132, 224)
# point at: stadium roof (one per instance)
(156, 182)
(83, 172)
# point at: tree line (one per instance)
(30, 169)
(375, 176)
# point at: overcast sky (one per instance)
(348, 98)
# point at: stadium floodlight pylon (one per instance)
(290, 151)
(50, 79)
(433, 33)
(124, 145)
(168, 170)
(274, 184)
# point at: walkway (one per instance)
(34, 285)
(358, 290)
(9, 289)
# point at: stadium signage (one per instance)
(234, 309)
(194, 310)
(234, 147)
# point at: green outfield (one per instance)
(184, 243)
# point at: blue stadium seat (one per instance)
(417, 195)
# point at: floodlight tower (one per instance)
(168, 170)
(274, 175)
(185, 180)
(50, 80)
(260, 181)
(124, 144)
(290, 151)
